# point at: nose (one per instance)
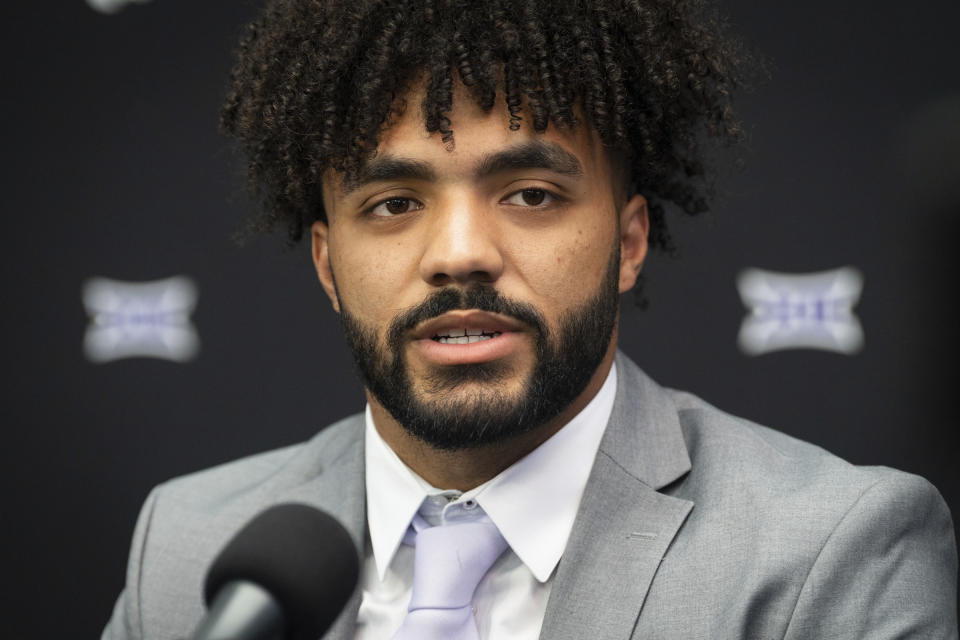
(462, 246)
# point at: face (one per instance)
(478, 287)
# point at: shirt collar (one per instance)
(533, 502)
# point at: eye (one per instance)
(531, 198)
(394, 206)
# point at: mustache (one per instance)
(477, 296)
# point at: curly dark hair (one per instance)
(317, 81)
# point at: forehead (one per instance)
(476, 132)
(479, 138)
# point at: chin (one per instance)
(471, 382)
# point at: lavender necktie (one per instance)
(449, 561)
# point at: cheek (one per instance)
(566, 268)
(371, 278)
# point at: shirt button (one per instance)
(470, 504)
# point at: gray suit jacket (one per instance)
(694, 524)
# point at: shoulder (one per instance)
(210, 505)
(736, 462)
(267, 471)
(723, 462)
(723, 446)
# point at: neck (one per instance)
(464, 469)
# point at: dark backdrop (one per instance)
(112, 166)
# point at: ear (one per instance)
(320, 249)
(634, 227)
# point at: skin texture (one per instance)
(460, 228)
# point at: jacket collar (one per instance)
(644, 435)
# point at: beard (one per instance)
(564, 364)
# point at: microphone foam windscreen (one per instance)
(302, 556)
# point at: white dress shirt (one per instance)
(533, 503)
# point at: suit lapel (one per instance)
(624, 525)
(615, 548)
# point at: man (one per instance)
(480, 181)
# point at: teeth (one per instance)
(467, 338)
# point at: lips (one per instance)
(463, 337)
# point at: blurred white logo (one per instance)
(140, 319)
(800, 310)
(112, 6)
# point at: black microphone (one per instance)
(285, 576)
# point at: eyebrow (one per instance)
(533, 154)
(385, 169)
